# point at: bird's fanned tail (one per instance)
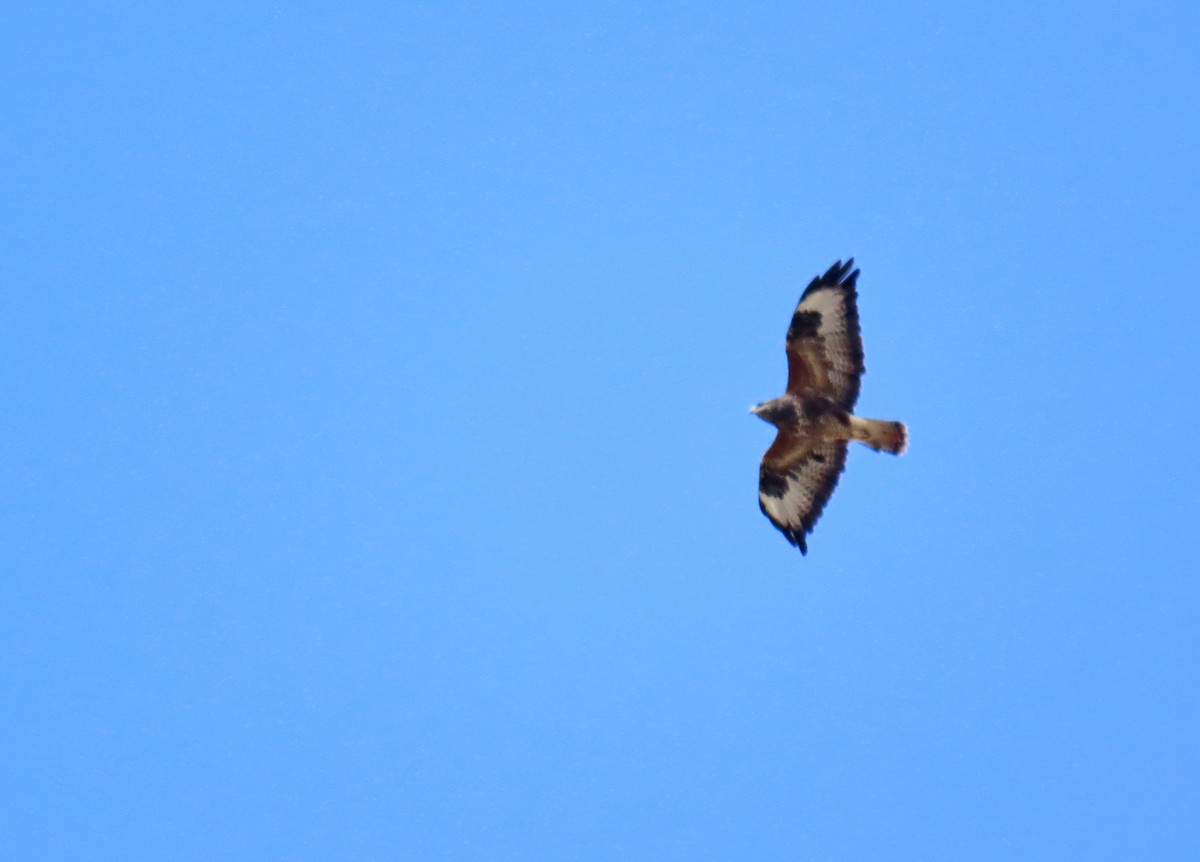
(880, 434)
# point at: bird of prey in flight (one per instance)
(814, 417)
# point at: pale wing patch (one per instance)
(826, 300)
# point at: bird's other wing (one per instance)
(795, 479)
(824, 345)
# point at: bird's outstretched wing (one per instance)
(795, 479)
(824, 345)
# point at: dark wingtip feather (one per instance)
(838, 275)
(796, 537)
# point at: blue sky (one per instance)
(377, 477)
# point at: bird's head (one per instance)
(777, 411)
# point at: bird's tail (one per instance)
(880, 435)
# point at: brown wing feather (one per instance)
(824, 344)
(795, 480)
(806, 368)
(786, 449)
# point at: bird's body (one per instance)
(814, 417)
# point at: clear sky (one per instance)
(377, 481)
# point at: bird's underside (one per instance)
(814, 417)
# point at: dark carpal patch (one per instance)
(805, 324)
(772, 484)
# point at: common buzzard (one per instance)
(814, 416)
